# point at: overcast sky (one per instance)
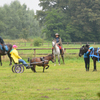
(32, 4)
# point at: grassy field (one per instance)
(64, 82)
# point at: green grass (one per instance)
(64, 82)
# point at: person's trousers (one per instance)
(23, 62)
(87, 63)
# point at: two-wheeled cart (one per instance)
(19, 68)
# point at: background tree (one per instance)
(18, 21)
(79, 19)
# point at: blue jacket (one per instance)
(86, 54)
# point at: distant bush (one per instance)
(37, 41)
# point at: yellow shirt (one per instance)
(14, 55)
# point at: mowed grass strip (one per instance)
(64, 82)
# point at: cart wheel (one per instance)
(18, 68)
(22, 68)
(13, 69)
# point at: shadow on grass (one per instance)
(98, 94)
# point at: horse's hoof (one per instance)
(54, 64)
(94, 70)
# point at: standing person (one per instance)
(87, 57)
(3, 44)
(59, 43)
(16, 57)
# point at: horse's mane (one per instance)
(50, 55)
(10, 45)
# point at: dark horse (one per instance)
(41, 62)
(84, 49)
(8, 53)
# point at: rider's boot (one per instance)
(27, 67)
(61, 51)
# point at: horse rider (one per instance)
(59, 43)
(17, 58)
(87, 57)
(3, 44)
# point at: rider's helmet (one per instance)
(14, 46)
(87, 45)
(57, 34)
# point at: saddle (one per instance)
(6, 48)
(59, 46)
(42, 58)
(61, 50)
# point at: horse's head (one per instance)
(53, 43)
(51, 57)
(83, 50)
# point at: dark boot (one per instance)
(61, 51)
(27, 67)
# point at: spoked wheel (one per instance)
(17, 68)
(22, 68)
(13, 68)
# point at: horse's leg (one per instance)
(33, 68)
(63, 58)
(44, 67)
(59, 59)
(47, 67)
(54, 60)
(94, 61)
(10, 59)
(0, 60)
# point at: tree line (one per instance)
(18, 21)
(74, 20)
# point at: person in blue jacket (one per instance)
(87, 57)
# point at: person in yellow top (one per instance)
(16, 58)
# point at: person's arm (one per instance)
(89, 50)
(17, 56)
